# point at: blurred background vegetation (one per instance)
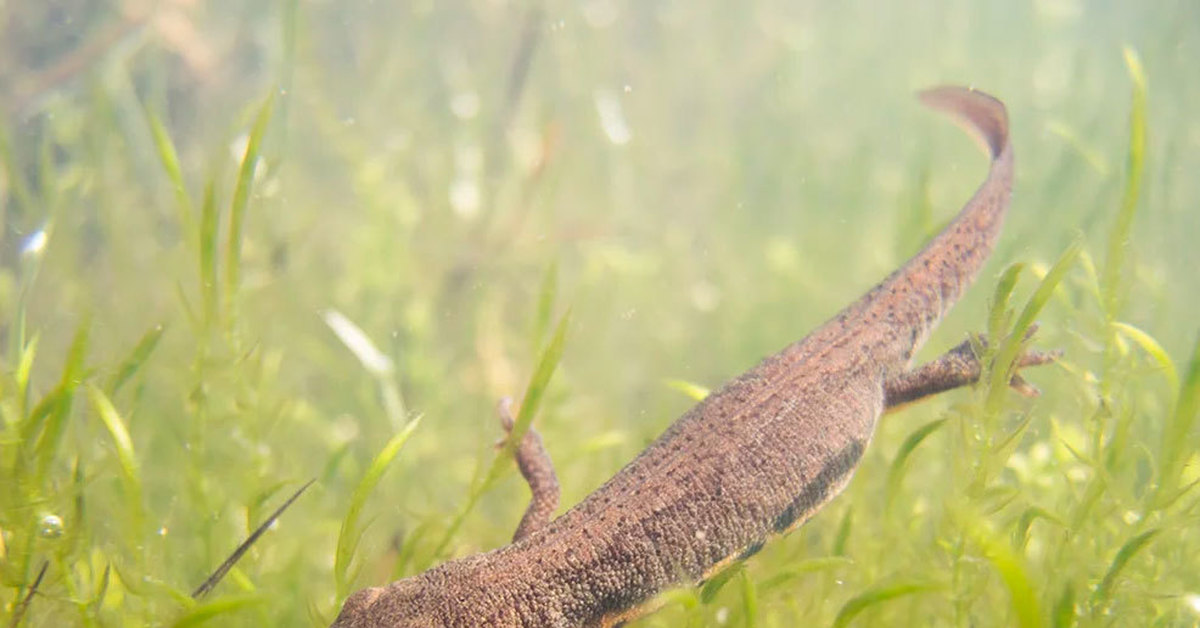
(245, 244)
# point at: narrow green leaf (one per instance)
(998, 317)
(713, 585)
(209, 227)
(48, 404)
(1031, 514)
(59, 410)
(24, 369)
(1118, 237)
(538, 383)
(241, 198)
(169, 159)
(1045, 289)
(878, 595)
(97, 601)
(1013, 572)
(124, 445)
(749, 600)
(1095, 488)
(545, 304)
(1153, 349)
(695, 392)
(1004, 448)
(1091, 276)
(350, 532)
(534, 393)
(1120, 561)
(1016, 579)
(288, 70)
(1064, 610)
(1171, 498)
(898, 466)
(141, 352)
(685, 598)
(1178, 439)
(186, 304)
(843, 533)
(201, 614)
(73, 368)
(147, 586)
(1090, 155)
(1010, 348)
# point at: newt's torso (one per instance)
(751, 461)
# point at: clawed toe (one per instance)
(1023, 387)
(1038, 358)
(1031, 357)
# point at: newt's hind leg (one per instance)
(538, 471)
(956, 368)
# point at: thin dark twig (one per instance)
(19, 611)
(514, 88)
(518, 75)
(495, 162)
(211, 582)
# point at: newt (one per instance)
(752, 461)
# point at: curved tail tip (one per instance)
(984, 115)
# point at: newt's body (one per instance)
(751, 461)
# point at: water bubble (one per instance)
(35, 243)
(50, 527)
(465, 105)
(465, 196)
(612, 117)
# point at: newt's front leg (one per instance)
(538, 471)
(957, 367)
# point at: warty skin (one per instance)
(752, 461)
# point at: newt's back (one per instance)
(751, 461)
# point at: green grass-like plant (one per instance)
(245, 246)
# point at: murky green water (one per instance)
(245, 243)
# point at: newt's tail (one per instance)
(914, 298)
(983, 116)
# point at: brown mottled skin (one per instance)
(753, 460)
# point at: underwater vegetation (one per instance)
(250, 245)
